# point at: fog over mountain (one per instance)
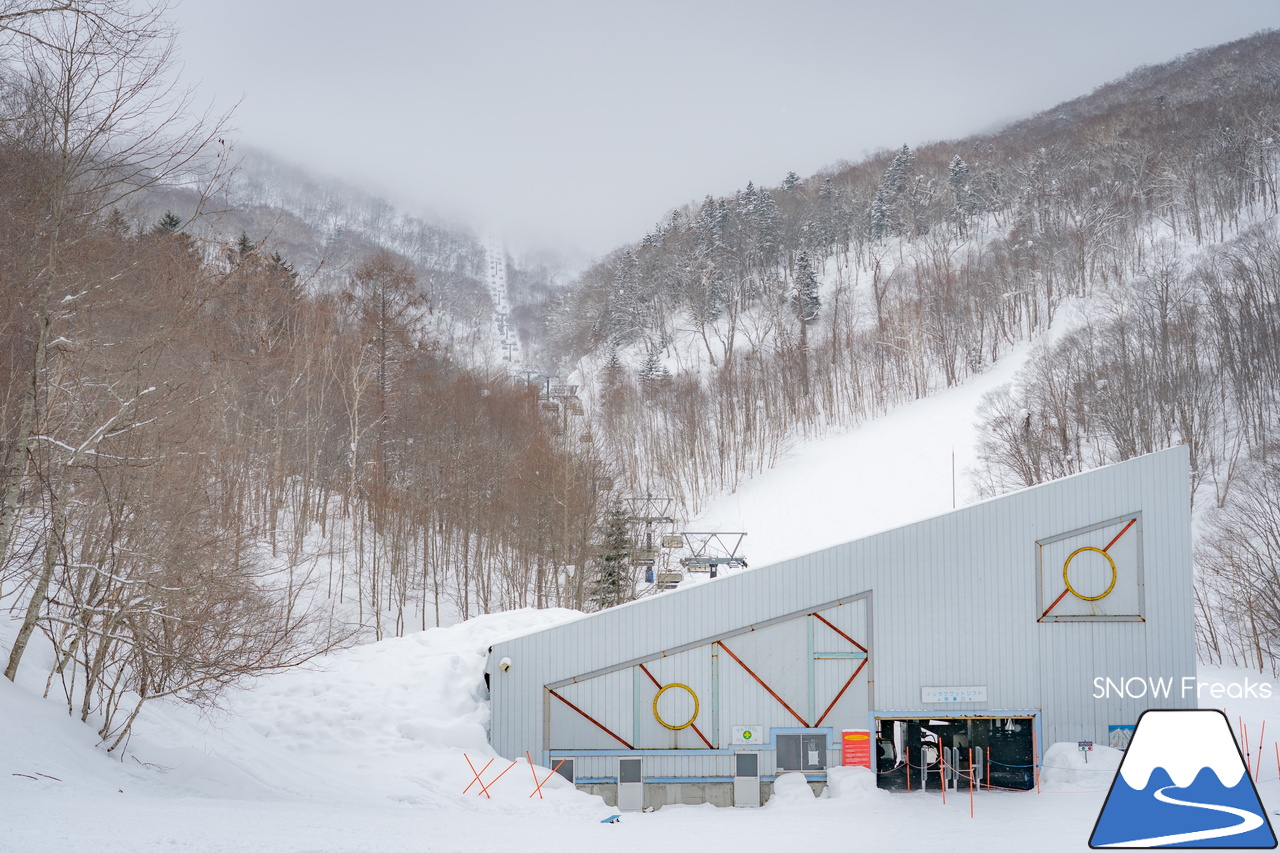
(578, 125)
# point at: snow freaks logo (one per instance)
(1139, 687)
(1182, 783)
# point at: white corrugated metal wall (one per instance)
(955, 600)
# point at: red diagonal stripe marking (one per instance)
(601, 726)
(838, 631)
(760, 681)
(1121, 533)
(1055, 603)
(847, 685)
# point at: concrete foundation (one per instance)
(659, 794)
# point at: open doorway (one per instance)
(924, 753)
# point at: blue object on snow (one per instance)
(613, 818)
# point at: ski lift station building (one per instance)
(979, 632)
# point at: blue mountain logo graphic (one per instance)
(1183, 783)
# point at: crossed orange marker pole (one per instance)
(484, 789)
(1102, 551)
(538, 789)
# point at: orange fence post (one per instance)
(473, 771)
(484, 789)
(538, 790)
(942, 771)
(1035, 756)
(1262, 738)
(1244, 737)
(971, 782)
(529, 758)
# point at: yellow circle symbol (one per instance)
(1067, 580)
(688, 722)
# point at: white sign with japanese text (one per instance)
(941, 695)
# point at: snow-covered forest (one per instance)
(248, 416)
(212, 465)
(1137, 225)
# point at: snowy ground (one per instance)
(367, 750)
(366, 753)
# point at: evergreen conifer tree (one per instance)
(613, 583)
(960, 178)
(167, 224)
(893, 209)
(653, 368)
(283, 275)
(245, 247)
(881, 215)
(613, 365)
(898, 175)
(806, 301)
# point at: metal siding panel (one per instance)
(693, 669)
(980, 559)
(570, 731)
(777, 655)
(851, 711)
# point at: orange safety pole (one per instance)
(538, 790)
(1035, 757)
(531, 770)
(1244, 735)
(477, 775)
(970, 781)
(1278, 759)
(1262, 738)
(485, 788)
(942, 771)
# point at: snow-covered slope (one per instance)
(888, 472)
(368, 749)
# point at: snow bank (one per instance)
(1066, 768)
(41, 748)
(363, 751)
(852, 783)
(790, 791)
(396, 720)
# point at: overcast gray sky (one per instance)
(580, 124)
